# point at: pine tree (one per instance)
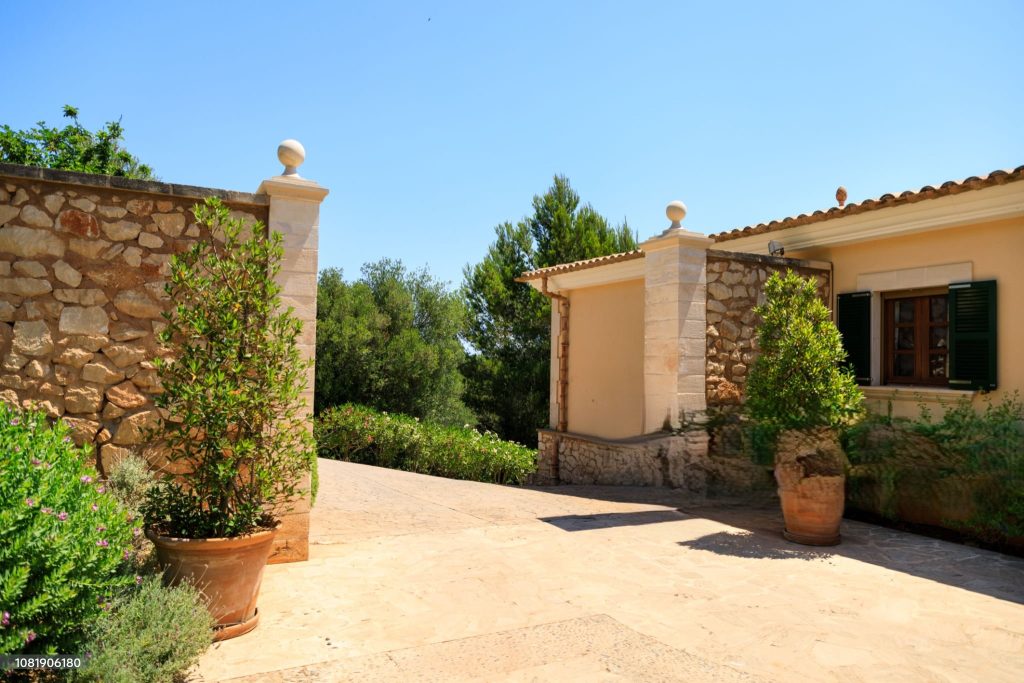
(507, 375)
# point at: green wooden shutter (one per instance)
(853, 318)
(972, 335)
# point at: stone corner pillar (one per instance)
(295, 213)
(675, 322)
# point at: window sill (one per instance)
(915, 394)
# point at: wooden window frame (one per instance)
(922, 351)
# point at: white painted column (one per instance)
(675, 322)
(295, 213)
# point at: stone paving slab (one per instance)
(595, 648)
(421, 578)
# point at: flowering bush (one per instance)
(63, 538)
(360, 434)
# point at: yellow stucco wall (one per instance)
(606, 360)
(995, 251)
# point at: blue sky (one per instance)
(432, 122)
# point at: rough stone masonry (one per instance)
(82, 275)
(84, 260)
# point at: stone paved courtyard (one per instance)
(419, 578)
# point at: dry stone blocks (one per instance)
(30, 268)
(138, 304)
(32, 338)
(79, 223)
(171, 224)
(735, 286)
(133, 428)
(124, 355)
(83, 269)
(86, 398)
(84, 320)
(122, 230)
(82, 277)
(36, 218)
(66, 274)
(102, 371)
(29, 243)
(86, 205)
(111, 212)
(140, 207)
(53, 202)
(126, 395)
(150, 241)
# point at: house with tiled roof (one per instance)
(924, 286)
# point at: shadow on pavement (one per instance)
(757, 534)
(607, 520)
(750, 545)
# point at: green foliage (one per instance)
(72, 148)
(152, 634)
(980, 451)
(797, 381)
(360, 434)
(390, 340)
(507, 378)
(62, 538)
(989, 440)
(237, 426)
(129, 482)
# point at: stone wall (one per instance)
(735, 284)
(677, 460)
(82, 275)
(83, 264)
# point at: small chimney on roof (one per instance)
(841, 196)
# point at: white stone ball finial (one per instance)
(676, 212)
(291, 153)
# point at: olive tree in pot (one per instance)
(800, 391)
(234, 430)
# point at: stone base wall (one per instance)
(735, 286)
(83, 264)
(672, 460)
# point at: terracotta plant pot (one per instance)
(809, 469)
(228, 571)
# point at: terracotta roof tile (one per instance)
(1000, 177)
(580, 265)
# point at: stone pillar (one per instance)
(295, 213)
(553, 393)
(675, 323)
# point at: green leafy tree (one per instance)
(798, 381)
(390, 340)
(236, 427)
(507, 376)
(72, 148)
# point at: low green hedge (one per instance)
(359, 434)
(963, 471)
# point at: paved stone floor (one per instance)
(416, 578)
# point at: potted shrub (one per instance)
(234, 430)
(800, 391)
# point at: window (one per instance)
(937, 337)
(916, 339)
